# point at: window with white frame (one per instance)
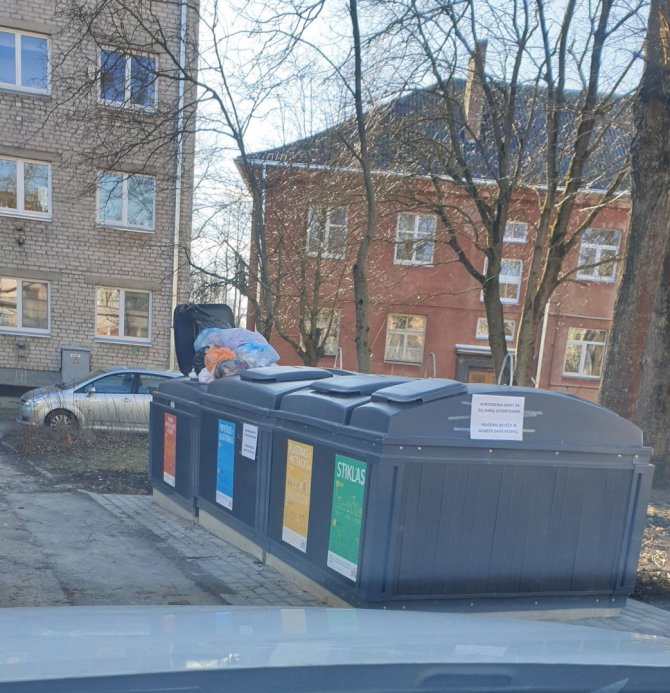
(25, 187)
(415, 239)
(597, 254)
(482, 331)
(516, 232)
(584, 352)
(327, 231)
(122, 314)
(405, 338)
(126, 200)
(127, 79)
(327, 321)
(24, 61)
(509, 280)
(24, 305)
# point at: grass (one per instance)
(100, 461)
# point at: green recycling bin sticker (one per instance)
(346, 516)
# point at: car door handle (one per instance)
(127, 399)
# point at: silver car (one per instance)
(109, 399)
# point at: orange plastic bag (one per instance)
(215, 354)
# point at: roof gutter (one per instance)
(402, 174)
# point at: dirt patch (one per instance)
(102, 462)
(653, 574)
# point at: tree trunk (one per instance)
(360, 268)
(636, 378)
(494, 317)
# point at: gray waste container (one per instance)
(174, 441)
(473, 497)
(236, 446)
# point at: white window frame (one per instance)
(514, 239)
(501, 276)
(17, 60)
(19, 329)
(322, 321)
(322, 252)
(20, 190)
(390, 331)
(127, 82)
(123, 224)
(416, 240)
(582, 357)
(599, 248)
(122, 339)
(482, 330)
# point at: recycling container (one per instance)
(434, 493)
(174, 442)
(236, 446)
(174, 419)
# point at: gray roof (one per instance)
(411, 135)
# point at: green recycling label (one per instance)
(346, 516)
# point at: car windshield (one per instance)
(66, 385)
(412, 261)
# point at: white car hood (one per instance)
(57, 642)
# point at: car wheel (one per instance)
(60, 418)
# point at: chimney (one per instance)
(473, 99)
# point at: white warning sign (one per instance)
(495, 417)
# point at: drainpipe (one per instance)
(178, 174)
(543, 339)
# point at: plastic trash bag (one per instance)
(231, 338)
(199, 359)
(257, 355)
(227, 368)
(216, 354)
(205, 376)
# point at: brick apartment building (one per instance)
(87, 262)
(427, 315)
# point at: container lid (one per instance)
(188, 320)
(423, 390)
(356, 384)
(284, 374)
(426, 412)
(183, 388)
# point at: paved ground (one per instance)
(63, 547)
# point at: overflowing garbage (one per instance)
(222, 352)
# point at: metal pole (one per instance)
(178, 175)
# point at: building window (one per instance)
(405, 338)
(584, 352)
(415, 239)
(122, 314)
(127, 79)
(327, 321)
(483, 329)
(516, 232)
(25, 187)
(509, 280)
(24, 306)
(24, 61)
(327, 232)
(597, 254)
(126, 200)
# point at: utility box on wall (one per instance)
(75, 363)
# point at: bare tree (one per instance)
(539, 123)
(636, 381)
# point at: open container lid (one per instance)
(439, 412)
(189, 320)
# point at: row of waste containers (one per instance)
(412, 493)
